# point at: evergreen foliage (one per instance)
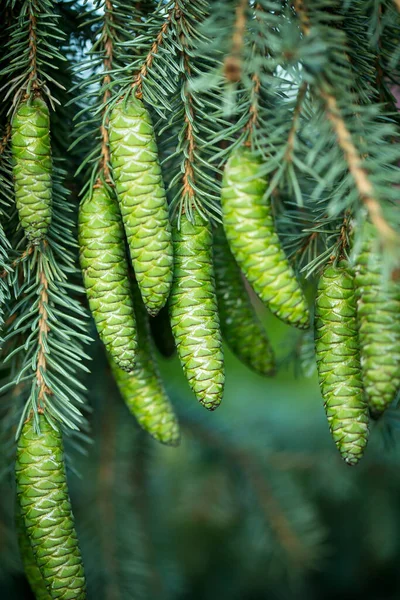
(298, 99)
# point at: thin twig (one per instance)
(233, 61)
(44, 329)
(296, 115)
(359, 174)
(146, 66)
(107, 64)
(351, 154)
(397, 4)
(188, 174)
(5, 139)
(33, 48)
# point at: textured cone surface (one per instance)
(378, 305)
(31, 569)
(194, 312)
(46, 511)
(240, 326)
(143, 390)
(32, 167)
(338, 361)
(105, 275)
(142, 199)
(251, 233)
(162, 333)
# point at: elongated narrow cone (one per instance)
(240, 326)
(32, 571)
(252, 237)
(46, 510)
(143, 390)
(378, 306)
(142, 200)
(105, 276)
(338, 361)
(194, 312)
(32, 167)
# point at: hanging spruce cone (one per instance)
(142, 199)
(251, 233)
(338, 361)
(105, 275)
(46, 510)
(194, 312)
(378, 306)
(32, 167)
(31, 569)
(143, 390)
(161, 332)
(240, 326)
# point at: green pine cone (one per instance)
(251, 233)
(105, 275)
(240, 326)
(142, 200)
(143, 390)
(32, 167)
(194, 312)
(162, 335)
(31, 569)
(378, 307)
(338, 361)
(46, 510)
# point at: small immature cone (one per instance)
(32, 167)
(46, 511)
(31, 569)
(254, 242)
(142, 200)
(143, 390)
(194, 312)
(240, 326)
(105, 276)
(338, 361)
(378, 307)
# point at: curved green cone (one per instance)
(31, 569)
(194, 312)
(252, 237)
(142, 199)
(240, 326)
(32, 167)
(143, 390)
(105, 275)
(338, 361)
(46, 511)
(378, 306)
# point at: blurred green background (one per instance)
(255, 503)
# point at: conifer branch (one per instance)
(5, 139)
(344, 138)
(296, 115)
(359, 174)
(43, 331)
(233, 61)
(32, 41)
(148, 62)
(107, 65)
(276, 517)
